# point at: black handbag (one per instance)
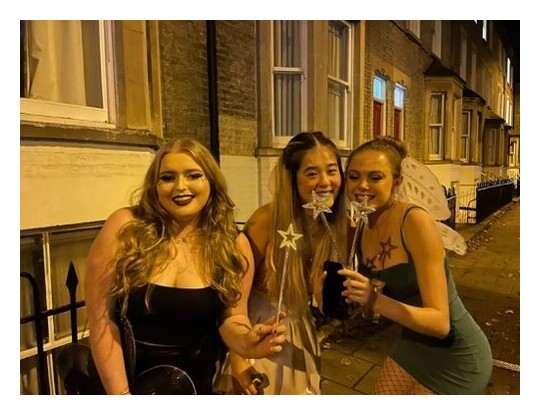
(158, 380)
(79, 375)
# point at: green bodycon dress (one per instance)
(457, 365)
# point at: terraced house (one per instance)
(98, 97)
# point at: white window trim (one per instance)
(508, 70)
(438, 156)
(512, 153)
(466, 137)
(281, 141)
(33, 110)
(383, 102)
(347, 111)
(51, 342)
(401, 108)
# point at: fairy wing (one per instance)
(452, 240)
(422, 188)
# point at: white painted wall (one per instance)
(61, 185)
(247, 178)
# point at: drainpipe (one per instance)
(211, 58)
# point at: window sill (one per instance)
(55, 132)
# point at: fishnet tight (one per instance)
(394, 380)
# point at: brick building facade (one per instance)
(243, 88)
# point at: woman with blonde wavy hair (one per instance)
(310, 162)
(175, 266)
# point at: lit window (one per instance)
(508, 70)
(399, 105)
(484, 30)
(379, 105)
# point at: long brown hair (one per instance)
(145, 242)
(303, 268)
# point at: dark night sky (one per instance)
(512, 28)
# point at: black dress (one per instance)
(180, 328)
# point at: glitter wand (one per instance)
(318, 205)
(359, 212)
(289, 241)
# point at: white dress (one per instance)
(293, 371)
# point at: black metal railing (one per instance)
(72, 281)
(451, 200)
(489, 197)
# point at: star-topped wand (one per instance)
(318, 205)
(288, 242)
(359, 212)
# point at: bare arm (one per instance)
(257, 232)
(425, 244)
(104, 333)
(236, 331)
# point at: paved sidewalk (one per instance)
(487, 278)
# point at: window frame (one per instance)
(439, 126)
(281, 141)
(53, 338)
(48, 112)
(491, 147)
(513, 149)
(345, 116)
(508, 70)
(465, 137)
(485, 30)
(400, 107)
(381, 102)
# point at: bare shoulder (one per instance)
(242, 241)
(418, 217)
(113, 224)
(105, 245)
(119, 218)
(420, 228)
(259, 222)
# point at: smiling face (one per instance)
(318, 171)
(182, 187)
(369, 173)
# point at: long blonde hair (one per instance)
(145, 246)
(304, 266)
